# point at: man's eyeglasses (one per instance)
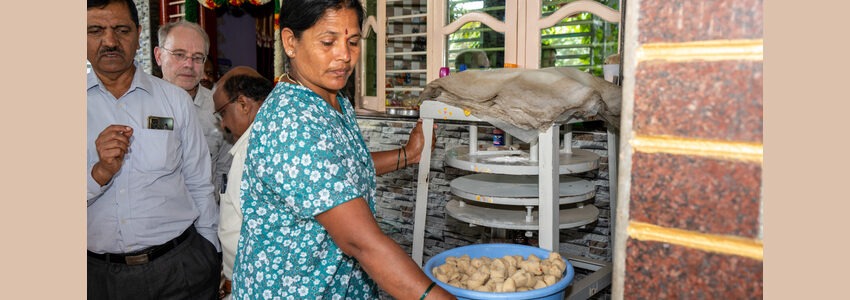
(219, 110)
(181, 57)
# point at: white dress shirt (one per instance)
(231, 206)
(219, 147)
(163, 186)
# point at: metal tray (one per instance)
(403, 111)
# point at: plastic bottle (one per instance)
(520, 238)
(444, 71)
(498, 137)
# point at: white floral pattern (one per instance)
(303, 159)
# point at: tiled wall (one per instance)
(144, 55)
(694, 224)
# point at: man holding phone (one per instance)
(152, 217)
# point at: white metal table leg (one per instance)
(549, 163)
(613, 156)
(421, 208)
(473, 139)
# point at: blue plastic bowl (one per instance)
(555, 291)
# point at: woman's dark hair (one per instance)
(300, 15)
(134, 14)
(254, 87)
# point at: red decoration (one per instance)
(213, 4)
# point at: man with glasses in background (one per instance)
(151, 215)
(238, 97)
(210, 74)
(182, 52)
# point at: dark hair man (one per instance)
(152, 218)
(238, 97)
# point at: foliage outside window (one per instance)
(371, 63)
(581, 41)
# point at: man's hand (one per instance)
(112, 143)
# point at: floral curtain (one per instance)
(213, 4)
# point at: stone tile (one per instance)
(662, 271)
(695, 193)
(144, 55)
(683, 21)
(719, 100)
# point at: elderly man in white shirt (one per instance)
(182, 52)
(238, 96)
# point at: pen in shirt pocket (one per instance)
(223, 183)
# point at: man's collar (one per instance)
(243, 139)
(140, 80)
(203, 93)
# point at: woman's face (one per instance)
(327, 53)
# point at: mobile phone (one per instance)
(161, 123)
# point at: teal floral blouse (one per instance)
(303, 159)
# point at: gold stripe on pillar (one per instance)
(703, 50)
(731, 245)
(737, 151)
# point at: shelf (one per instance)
(518, 190)
(400, 71)
(406, 35)
(403, 89)
(389, 54)
(403, 17)
(491, 198)
(516, 162)
(441, 111)
(514, 217)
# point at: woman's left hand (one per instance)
(417, 141)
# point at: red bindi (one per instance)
(346, 31)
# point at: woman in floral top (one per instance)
(308, 188)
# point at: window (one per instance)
(582, 41)
(408, 51)
(475, 45)
(393, 69)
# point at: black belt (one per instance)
(146, 255)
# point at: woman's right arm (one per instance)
(353, 228)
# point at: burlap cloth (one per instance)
(524, 102)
